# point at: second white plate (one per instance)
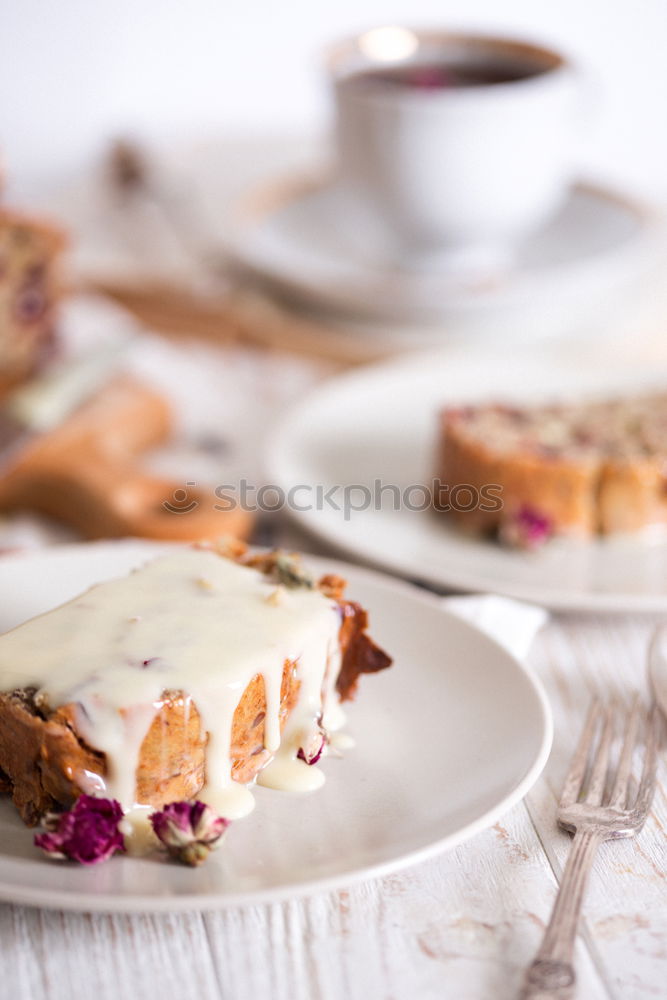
(375, 430)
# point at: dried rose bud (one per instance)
(312, 752)
(88, 833)
(527, 528)
(189, 830)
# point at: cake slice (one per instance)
(536, 472)
(190, 678)
(29, 292)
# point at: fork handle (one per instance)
(552, 976)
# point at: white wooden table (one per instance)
(462, 926)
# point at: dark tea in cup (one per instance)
(445, 75)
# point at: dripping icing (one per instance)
(115, 650)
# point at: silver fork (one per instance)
(595, 810)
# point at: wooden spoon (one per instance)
(85, 474)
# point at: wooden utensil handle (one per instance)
(113, 501)
(156, 508)
(82, 474)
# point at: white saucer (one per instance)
(306, 243)
(449, 738)
(379, 424)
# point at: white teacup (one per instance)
(460, 165)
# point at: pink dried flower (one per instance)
(87, 833)
(527, 528)
(189, 830)
(312, 753)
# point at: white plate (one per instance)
(450, 737)
(310, 245)
(380, 424)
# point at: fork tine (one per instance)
(575, 775)
(598, 778)
(620, 790)
(649, 771)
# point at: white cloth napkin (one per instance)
(514, 624)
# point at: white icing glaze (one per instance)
(340, 741)
(138, 831)
(285, 772)
(190, 621)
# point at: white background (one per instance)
(74, 72)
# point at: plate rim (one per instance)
(556, 599)
(267, 200)
(10, 892)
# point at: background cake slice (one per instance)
(577, 470)
(29, 293)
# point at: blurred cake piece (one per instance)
(29, 289)
(580, 469)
